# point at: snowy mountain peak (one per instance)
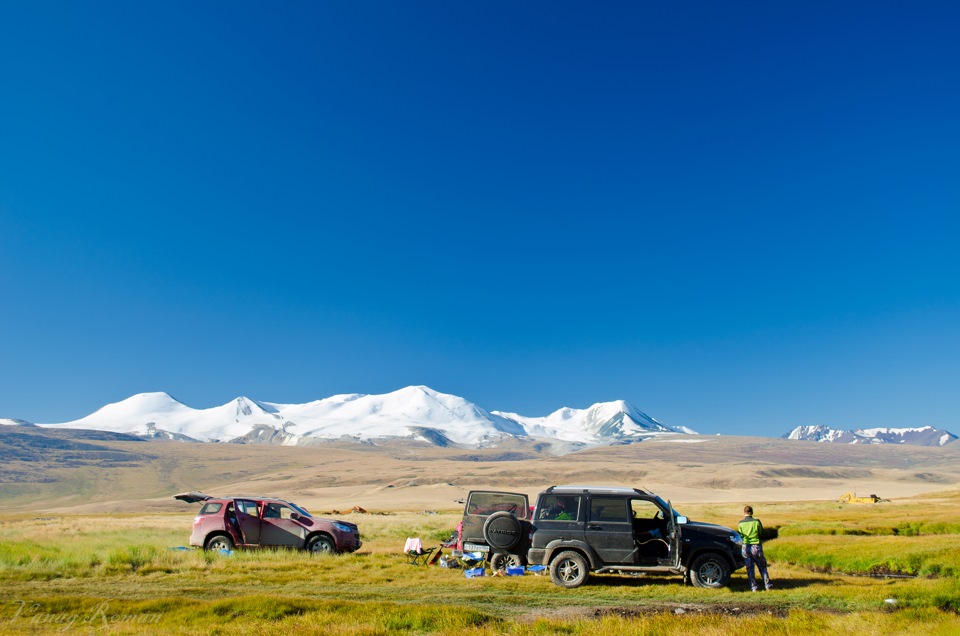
(604, 422)
(153, 397)
(245, 407)
(141, 403)
(7, 421)
(921, 436)
(413, 412)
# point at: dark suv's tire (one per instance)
(320, 544)
(218, 542)
(502, 561)
(569, 569)
(709, 570)
(502, 530)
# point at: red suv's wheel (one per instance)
(321, 544)
(218, 542)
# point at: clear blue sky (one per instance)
(738, 217)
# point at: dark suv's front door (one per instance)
(651, 529)
(609, 530)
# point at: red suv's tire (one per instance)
(218, 542)
(320, 544)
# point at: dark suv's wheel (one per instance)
(569, 569)
(502, 530)
(218, 542)
(320, 544)
(709, 570)
(503, 561)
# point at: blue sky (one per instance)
(738, 218)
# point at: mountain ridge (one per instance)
(912, 436)
(414, 412)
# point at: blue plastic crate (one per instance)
(514, 570)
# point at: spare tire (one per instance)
(502, 530)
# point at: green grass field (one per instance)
(117, 574)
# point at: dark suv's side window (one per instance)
(610, 509)
(559, 508)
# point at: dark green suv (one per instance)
(575, 530)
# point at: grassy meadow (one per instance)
(118, 574)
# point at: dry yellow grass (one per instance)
(57, 565)
(403, 477)
(79, 567)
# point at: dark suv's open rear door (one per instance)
(481, 504)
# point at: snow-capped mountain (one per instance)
(600, 424)
(5, 421)
(415, 412)
(924, 436)
(158, 415)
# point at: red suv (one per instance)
(265, 522)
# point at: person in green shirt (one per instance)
(750, 530)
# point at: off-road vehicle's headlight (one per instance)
(735, 538)
(342, 527)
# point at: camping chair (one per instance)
(417, 554)
(452, 541)
(469, 560)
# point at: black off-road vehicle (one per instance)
(576, 530)
(498, 524)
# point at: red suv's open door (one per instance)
(192, 497)
(248, 518)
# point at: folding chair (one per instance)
(452, 541)
(416, 553)
(470, 560)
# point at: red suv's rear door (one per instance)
(248, 517)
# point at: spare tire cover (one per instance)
(502, 530)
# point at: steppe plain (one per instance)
(88, 522)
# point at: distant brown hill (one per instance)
(82, 471)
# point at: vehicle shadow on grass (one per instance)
(735, 585)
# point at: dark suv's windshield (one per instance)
(666, 506)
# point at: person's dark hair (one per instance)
(748, 510)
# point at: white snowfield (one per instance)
(914, 436)
(416, 412)
(6, 421)
(600, 422)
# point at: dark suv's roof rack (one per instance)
(610, 490)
